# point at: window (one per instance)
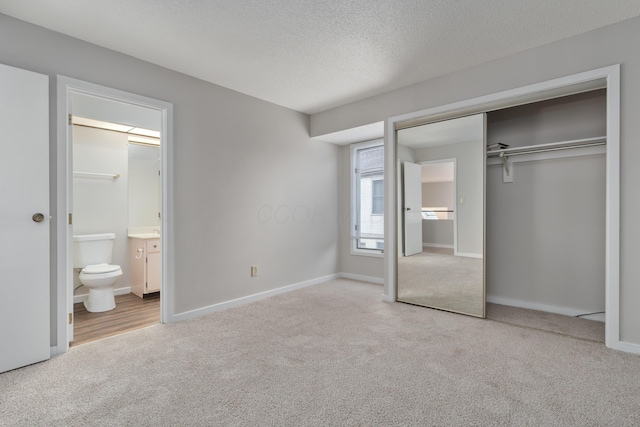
(377, 197)
(367, 198)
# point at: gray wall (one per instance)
(437, 194)
(437, 232)
(545, 233)
(602, 47)
(572, 117)
(237, 161)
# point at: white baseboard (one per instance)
(370, 279)
(388, 298)
(626, 347)
(249, 298)
(53, 351)
(468, 255)
(82, 297)
(436, 245)
(536, 306)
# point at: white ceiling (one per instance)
(313, 55)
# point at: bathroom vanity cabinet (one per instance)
(145, 265)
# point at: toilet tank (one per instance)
(89, 249)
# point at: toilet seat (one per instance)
(100, 268)
(99, 279)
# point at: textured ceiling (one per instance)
(312, 55)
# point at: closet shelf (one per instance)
(554, 146)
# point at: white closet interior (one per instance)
(545, 205)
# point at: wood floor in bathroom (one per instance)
(131, 313)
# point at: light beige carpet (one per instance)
(557, 323)
(330, 354)
(436, 278)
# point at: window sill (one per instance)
(367, 252)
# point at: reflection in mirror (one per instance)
(441, 215)
(144, 185)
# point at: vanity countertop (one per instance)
(144, 236)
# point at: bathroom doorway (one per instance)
(116, 193)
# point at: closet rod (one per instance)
(554, 146)
(544, 150)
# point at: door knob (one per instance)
(37, 217)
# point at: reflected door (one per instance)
(412, 189)
(447, 274)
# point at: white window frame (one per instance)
(378, 253)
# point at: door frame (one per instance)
(63, 195)
(605, 77)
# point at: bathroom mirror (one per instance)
(144, 185)
(441, 215)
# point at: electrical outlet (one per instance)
(254, 270)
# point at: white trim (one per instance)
(391, 207)
(53, 351)
(117, 291)
(436, 245)
(65, 86)
(628, 347)
(549, 89)
(250, 298)
(566, 311)
(544, 90)
(469, 255)
(361, 278)
(375, 253)
(388, 298)
(612, 237)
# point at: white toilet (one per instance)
(92, 253)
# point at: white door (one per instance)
(24, 218)
(412, 193)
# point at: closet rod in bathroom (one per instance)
(96, 175)
(555, 146)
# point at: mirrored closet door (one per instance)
(441, 202)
